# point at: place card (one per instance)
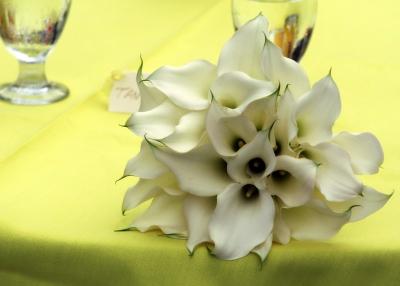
(124, 94)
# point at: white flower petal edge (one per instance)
(235, 90)
(259, 148)
(188, 132)
(198, 212)
(263, 250)
(285, 128)
(365, 151)
(369, 202)
(150, 97)
(165, 213)
(156, 123)
(243, 51)
(317, 111)
(230, 230)
(186, 86)
(314, 221)
(199, 172)
(281, 232)
(262, 112)
(224, 131)
(283, 71)
(147, 189)
(144, 165)
(293, 180)
(335, 177)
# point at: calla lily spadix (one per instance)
(241, 155)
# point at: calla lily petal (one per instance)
(283, 71)
(314, 221)
(281, 232)
(262, 112)
(150, 97)
(147, 189)
(165, 213)
(198, 211)
(224, 132)
(369, 202)
(200, 172)
(145, 165)
(186, 86)
(188, 132)
(263, 249)
(293, 180)
(236, 90)
(335, 178)
(317, 111)
(156, 123)
(365, 151)
(285, 129)
(243, 51)
(141, 192)
(259, 149)
(233, 235)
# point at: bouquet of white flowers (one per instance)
(240, 155)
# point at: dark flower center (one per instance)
(257, 165)
(238, 144)
(280, 176)
(250, 192)
(277, 149)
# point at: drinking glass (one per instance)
(291, 22)
(30, 29)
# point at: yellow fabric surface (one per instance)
(58, 201)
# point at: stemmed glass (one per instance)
(291, 22)
(30, 29)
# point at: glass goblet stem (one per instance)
(31, 74)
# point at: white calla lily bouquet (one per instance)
(240, 155)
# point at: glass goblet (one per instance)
(30, 29)
(291, 22)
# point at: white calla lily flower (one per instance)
(235, 90)
(254, 160)
(150, 97)
(243, 52)
(314, 221)
(144, 165)
(241, 221)
(281, 233)
(263, 112)
(241, 155)
(264, 248)
(198, 212)
(187, 86)
(317, 111)
(335, 177)
(148, 189)
(368, 202)
(293, 180)
(283, 71)
(158, 122)
(228, 134)
(165, 213)
(285, 127)
(364, 149)
(188, 132)
(200, 172)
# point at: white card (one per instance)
(124, 95)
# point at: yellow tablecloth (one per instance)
(58, 201)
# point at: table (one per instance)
(58, 201)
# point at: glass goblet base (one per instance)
(33, 94)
